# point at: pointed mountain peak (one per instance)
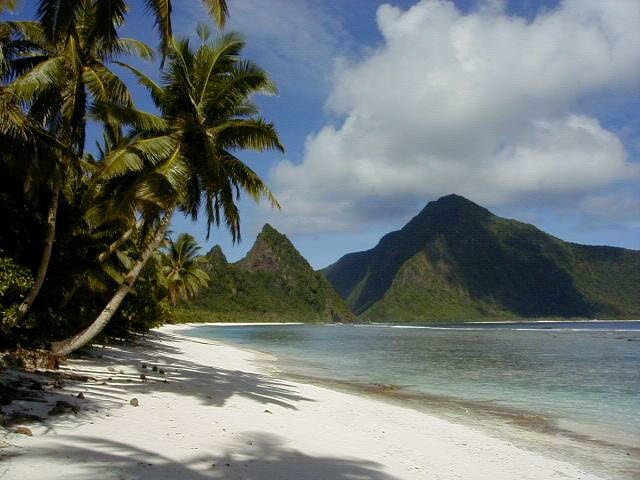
(456, 260)
(454, 198)
(272, 251)
(267, 228)
(270, 234)
(455, 201)
(451, 209)
(273, 282)
(216, 254)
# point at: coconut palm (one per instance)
(96, 219)
(57, 16)
(57, 78)
(182, 269)
(161, 10)
(186, 162)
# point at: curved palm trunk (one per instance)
(46, 252)
(65, 347)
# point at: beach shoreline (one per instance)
(584, 444)
(216, 412)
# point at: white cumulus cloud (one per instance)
(481, 104)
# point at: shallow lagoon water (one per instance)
(578, 381)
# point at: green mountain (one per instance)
(457, 260)
(273, 283)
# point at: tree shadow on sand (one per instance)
(266, 458)
(210, 385)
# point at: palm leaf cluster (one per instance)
(108, 213)
(59, 80)
(186, 157)
(182, 269)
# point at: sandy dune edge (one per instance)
(221, 415)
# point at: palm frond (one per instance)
(104, 85)
(121, 115)
(57, 17)
(179, 75)
(14, 123)
(19, 66)
(131, 46)
(161, 12)
(107, 16)
(51, 72)
(250, 134)
(245, 177)
(216, 58)
(154, 89)
(182, 271)
(218, 10)
(174, 171)
(135, 156)
(28, 31)
(244, 79)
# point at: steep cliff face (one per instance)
(457, 260)
(272, 283)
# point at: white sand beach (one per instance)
(220, 414)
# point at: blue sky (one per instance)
(528, 107)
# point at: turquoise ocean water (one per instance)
(570, 388)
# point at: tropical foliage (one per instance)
(56, 78)
(183, 269)
(83, 245)
(15, 283)
(273, 283)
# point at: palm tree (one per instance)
(181, 266)
(95, 218)
(65, 67)
(187, 161)
(57, 78)
(57, 15)
(161, 10)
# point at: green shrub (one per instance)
(15, 283)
